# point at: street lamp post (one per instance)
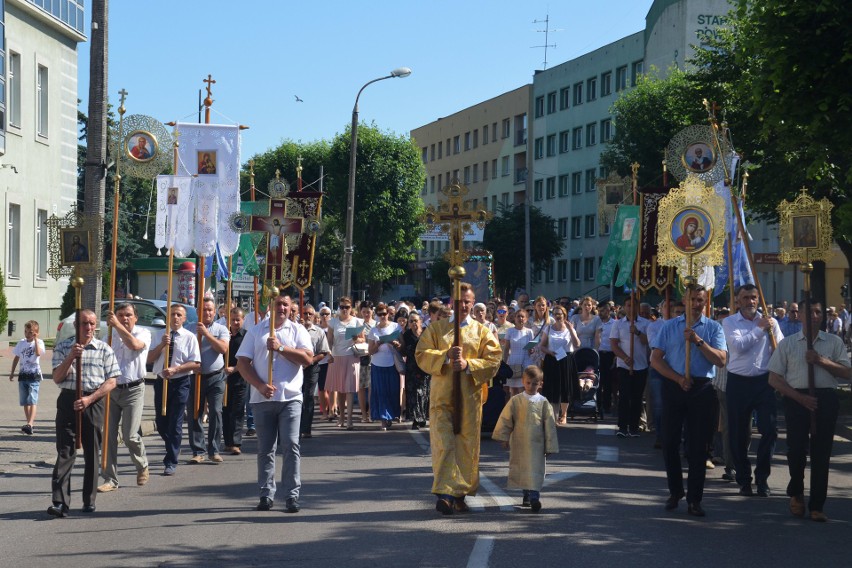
(346, 272)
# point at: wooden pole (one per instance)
(254, 280)
(77, 282)
(271, 294)
(807, 268)
(230, 290)
(457, 273)
(634, 294)
(730, 252)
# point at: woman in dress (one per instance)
(342, 378)
(559, 336)
(588, 324)
(326, 406)
(416, 381)
(540, 317)
(365, 310)
(514, 353)
(384, 379)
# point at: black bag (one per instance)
(504, 372)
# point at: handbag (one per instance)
(504, 372)
(360, 349)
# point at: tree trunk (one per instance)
(96, 144)
(846, 249)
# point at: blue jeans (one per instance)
(655, 387)
(170, 426)
(278, 421)
(744, 396)
(213, 391)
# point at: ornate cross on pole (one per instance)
(208, 101)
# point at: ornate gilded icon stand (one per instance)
(75, 251)
(454, 217)
(612, 192)
(699, 151)
(804, 228)
(691, 235)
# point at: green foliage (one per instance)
(68, 303)
(4, 305)
(646, 118)
(504, 237)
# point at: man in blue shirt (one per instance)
(791, 324)
(690, 399)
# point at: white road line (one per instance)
(504, 501)
(422, 440)
(607, 454)
(481, 552)
(605, 430)
(475, 502)
(558, 476)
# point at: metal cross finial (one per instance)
(123, 93)
(210, 81)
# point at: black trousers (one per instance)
(631, 394)
(694, 407)
(798, 434)
(310, 378)
(234, 414)
(66, 439)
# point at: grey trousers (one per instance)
(125, 405)
(278, 422)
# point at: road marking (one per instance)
(605, 430)
(503, 501)
(607, 454)
(475, 502)
(481, 552)
(558, 476)
(421, 439)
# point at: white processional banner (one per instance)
(210, 153)
(173, 221)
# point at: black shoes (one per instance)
(251, 432)
(763, 490)
(672, 501)
(695, 510)
(88, 508)
(60, 511)
(535, 505)
(526, 500)
(265, 504)
(460, 506)
(728, 475)
(444, 507)
(292, 505)
(746, 490)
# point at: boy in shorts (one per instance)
(28, 351)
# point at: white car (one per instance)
(151, 313)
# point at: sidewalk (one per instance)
(18, 450)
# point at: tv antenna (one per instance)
(546, 31)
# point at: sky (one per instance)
(263, 53)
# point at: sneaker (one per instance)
(142, 477)
(292, 505)
(107, 487)
(265, 504)
(709, 464)
(251, 432)
(170, 470)
(27, 429)
(633, 434)
(216, 458)
(728, 475)
(196, 459)
(622, 434)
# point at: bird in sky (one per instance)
(298, 100)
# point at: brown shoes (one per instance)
(107, 487)
(142, 477)
(235, 451)
(819, 517)
(797, 505)
(216, 458)
(196, 459)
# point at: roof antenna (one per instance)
(546, 31)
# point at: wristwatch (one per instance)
(700, 343)
(281, 349)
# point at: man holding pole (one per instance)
(455, 455)
(810, 417)
(99, 373)
(747, 334)
(688, 394)
(173, 375)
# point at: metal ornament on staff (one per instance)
(454, 217)
(804, 228)
(691, 236)
(270, 292)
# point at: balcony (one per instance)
(520, 175)
(521, 137)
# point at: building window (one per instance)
(505, 165)
(551, 102)
(564, 98)
(14, 89)
(466, 141)
(539, 106)
(563, 228)
(562, 270)
(577, 183)
(549, 273)
(440, 150)
(578, 94)
(504, 199)
(537, 189)
(635, 72)
(575, 270)
(439, 181)
(563, 185)
(494, 203)
(476, 138)
(432, 153)
(467, 175)
(589, 268)
(455, 175)
(564, 141)
(475, 173)
(551, 145)
(606, 130)
(621, 78)
(494, 132)
(577, 138)
(591, 134)
(485, 135)
(494, 168)
(507, 127)
(590, 180)
(576, 227)
(603, 172)
(538, 148)
(591, 89)
(551, 187)
(590, 225)
(432, 184)
(41, 245)
(42, 107)
(424, 154)
(456, 144)
(605, 228)
(606, 83)
(485, 170)
(521, 129)
(13, 262)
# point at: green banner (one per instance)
(621, 250)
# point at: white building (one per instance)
(38, 150)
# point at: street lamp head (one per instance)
(401, 72)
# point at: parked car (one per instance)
(151, 313)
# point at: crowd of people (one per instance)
(271, 371)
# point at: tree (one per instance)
(502, 236)
(387, 226)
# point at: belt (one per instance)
(173, 378)
(211, 374)
(69, 392)
(130, 384)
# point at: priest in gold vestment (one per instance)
(455, 457)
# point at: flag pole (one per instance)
(254, 280)
(634, 294)
(230, 291)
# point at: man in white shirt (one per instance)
(174, 375)
(130, 343)
(277, 403)
(748, 390)
(632, 368)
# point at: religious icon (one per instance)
(75, 245)
(805, 231)
(141, 146)
(698, 157)
(172, 196)
(627, 228)
(614, 194)
(691, 230)
(207, 162)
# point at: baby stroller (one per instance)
(585, 383)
